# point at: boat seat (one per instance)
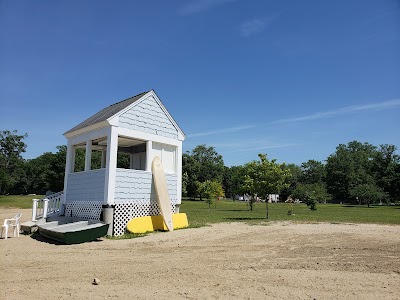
(55, 224)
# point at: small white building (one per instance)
(140, 127)
(273, 198)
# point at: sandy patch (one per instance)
(223, 261)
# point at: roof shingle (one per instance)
(107, 112)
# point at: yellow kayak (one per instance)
(152, 223)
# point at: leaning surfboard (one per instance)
(160, 184)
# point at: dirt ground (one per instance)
(223, 261)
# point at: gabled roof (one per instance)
(113, 111)
(107, 112)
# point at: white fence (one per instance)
(50, 205)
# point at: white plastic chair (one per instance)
(14, 222)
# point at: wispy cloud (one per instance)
(342, 111)
(265, 147)
(390, 104)
(198, 6)
(254, 26)
(221, 131)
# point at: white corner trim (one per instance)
(113, 121)
(111, 166)
(181, 136)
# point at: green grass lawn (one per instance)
(228, 211)
(18, 201)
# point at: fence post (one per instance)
(45, 207)
(34, 209)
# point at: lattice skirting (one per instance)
(124, 212)
(89, 210)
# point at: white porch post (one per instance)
(34, 209)
(149, 148)
(103, 158)
(179, 172)
(111, 165)
(69, 168)
(45, 207)
(88, 155)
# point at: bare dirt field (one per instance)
(223, 261)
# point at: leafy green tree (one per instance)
(185, 179)
(386, 170)
(36, 174)
(264, 177)
(43, 173)
(248, 184)
(190, 167)
(201, 164)
(313, 171)
(303, 193)
(227, 182)
(292, 181)
(210, 163)
(210, 189)
(11, 146)
(348, 167)
(311, 194)
(368, 193)
(57, 174)
(237, 186)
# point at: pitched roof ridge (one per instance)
(107, 112)
(138, 95)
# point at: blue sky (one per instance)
(292, 79)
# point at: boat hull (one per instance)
(74, 232)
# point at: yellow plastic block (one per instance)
(151, 223)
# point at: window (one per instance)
(167, 154)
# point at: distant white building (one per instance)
(273, 198)
(244, 197)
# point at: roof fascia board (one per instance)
(90, 135)
(86, 129)
(147, 136)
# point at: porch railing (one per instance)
(47, 206)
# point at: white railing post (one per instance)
(34, 208)
(45, 207)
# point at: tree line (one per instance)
(356, 172)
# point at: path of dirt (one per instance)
(224, 261)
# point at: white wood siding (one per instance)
(86, 186)
(147, 116)
(135, 185)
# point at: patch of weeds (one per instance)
(262, 223)
(198, 225)
(127, 236)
